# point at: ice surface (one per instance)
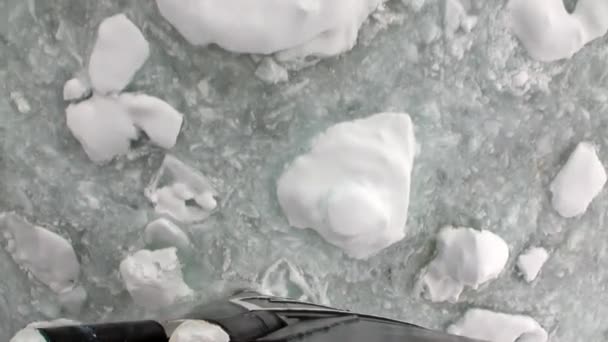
(120, 50)
(353, 186)
(578, 182)
(181, 192)
(498, 327)
(48, 256)
(550, 33)
(154, 278)
(199, 331)
(307, 27)
(530, 262)
(102, 126)
(163, 233)
(464, 257)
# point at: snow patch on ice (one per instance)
(199, 331)
(464, 257)
(530, 262)
(106, 123)
(353, 186)
(578, 182)
(549, 32)
(181, 192)
(120, 50)
(498, 327)
(162, 233)
(154, 278)
(47, 256)
(302, 27)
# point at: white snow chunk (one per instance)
(464, 257)
(47, 256)
(530, 262)
(284, 279)
(181, 192)
(102, 126)
(73, 300)
(578, 182)
(307, 27)
(162, 233)
(154, 278)
(120, 50)
(30, 334)
(271, 72)
(155, 117)
(75, 89)
(498, 327)
(199, 331)
(549, 32)
(353, 186)
(20, 102)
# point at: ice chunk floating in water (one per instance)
(307, 27)
(465, 257)
(353, 186)
(49, 257)
(30, 334)
(162, 233)
(578, 182)
(498, 327)
(530, 262)
(549, 32)
(154, 279)
(120, 50)
(199, 331)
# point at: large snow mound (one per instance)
(578, 182)
(154, 278)
(308, 27)
(353, 186)
(498, 327)
(47, 256)
(550, 33)
(464, 257)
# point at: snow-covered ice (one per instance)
(530, 262)
(578, 182)
(162, 233)
(199, 331)
(464, 257)
(353, 186)
(120, 50)
(549, 32)
(48, 256)
(75, 89)
(181, 191)
(306, 28)
(154, 278)
(498, 327)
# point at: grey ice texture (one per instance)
(489, 148)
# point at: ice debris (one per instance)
(304, 28)
(271, 72)
(530, 262)
(119, 51)
(353, 186)
(199, 331)
(284, 279)
(162, 233)
(464, 257)
(498, 327)
(549, 32)
(154, 278)
(75, 89)
(108, 122)
(30, 334)
(47, 256)
(578, 182)
(181, 192)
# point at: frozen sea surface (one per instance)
(494, 128)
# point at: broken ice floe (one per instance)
(108, 122)
(283, 279)
(464, 257)
(530, 262)
(181, 192)
(353, 186)
(162, 233)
